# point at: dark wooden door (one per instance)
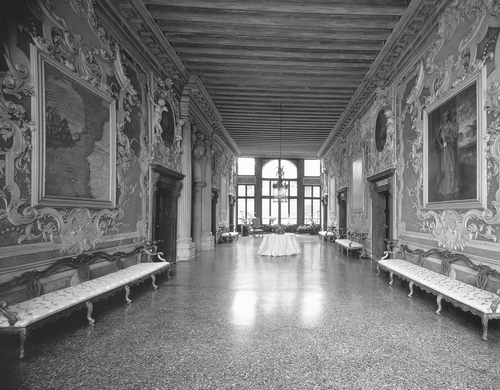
(215, 198)
(381, 222)
(165, 221)
(342, 201)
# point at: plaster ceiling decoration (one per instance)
(321, 60)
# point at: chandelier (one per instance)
(280, 188)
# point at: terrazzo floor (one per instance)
(233, 320)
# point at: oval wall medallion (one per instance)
(381, 130)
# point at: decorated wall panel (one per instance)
(92, 135)
(370, 145)
(448, 154)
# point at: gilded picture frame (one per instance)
(454, 168)
(74, 145)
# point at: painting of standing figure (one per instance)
(452, 152)
(448, 167)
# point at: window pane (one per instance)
(241, 211)
(265, 211)
(312, 167)
(293, 188)
(270, 169)
(284, 214)
(265, 188)
(274, 212)
(250, 208)
(241, 190)
(250, 190)
(246, 166)
(316, 210)
(293, 211)
(316, 192)
(307, 209)
(290, 169)
(307, 191)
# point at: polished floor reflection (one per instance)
(231, 319)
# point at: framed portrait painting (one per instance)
(75, 139)
(454, 171)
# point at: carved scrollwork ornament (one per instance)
(79, 229)
(15, 131)
(456, 229)
(163, 100)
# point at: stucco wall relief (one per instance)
(74, 230)
(439, 74)
(163, 101)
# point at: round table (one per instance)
(279, 245)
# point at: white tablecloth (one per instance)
(279, 245)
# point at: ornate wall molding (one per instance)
(162, 93)
(379, 161)
(418, 16)
(439, 73)
(78, 229)
(201, 148)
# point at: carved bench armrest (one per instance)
(11, 318)
(153, 253)
(495, 303)
(387, 254)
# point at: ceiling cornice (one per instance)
(196, 89)
(404, 36)
(131, 18)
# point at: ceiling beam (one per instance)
(274, 19)
(271, 53)
(308, 32)
(283, 62)
(395, 8)
(213, 40)
(231, 89)
(209, 68)
(285, 73)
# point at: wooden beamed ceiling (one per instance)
(254, 56)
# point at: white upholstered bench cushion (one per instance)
(467, 294)
(349, 243)
(38, 308)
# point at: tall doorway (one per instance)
(164, 226)
(342, 201)
(215, 199)
(166, 190)
(382, 213)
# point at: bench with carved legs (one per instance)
(475, 299)
(352, 241)
(20, 318)
(328, 235)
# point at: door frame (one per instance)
(342, 202)
(381, 185)
(164, 179)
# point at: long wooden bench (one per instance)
(476, 299)
(351, 241)
(227, 235)
(328, 235)
(39, 308)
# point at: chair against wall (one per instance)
(256, 228)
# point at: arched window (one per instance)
(275, 212)
(270, 169)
